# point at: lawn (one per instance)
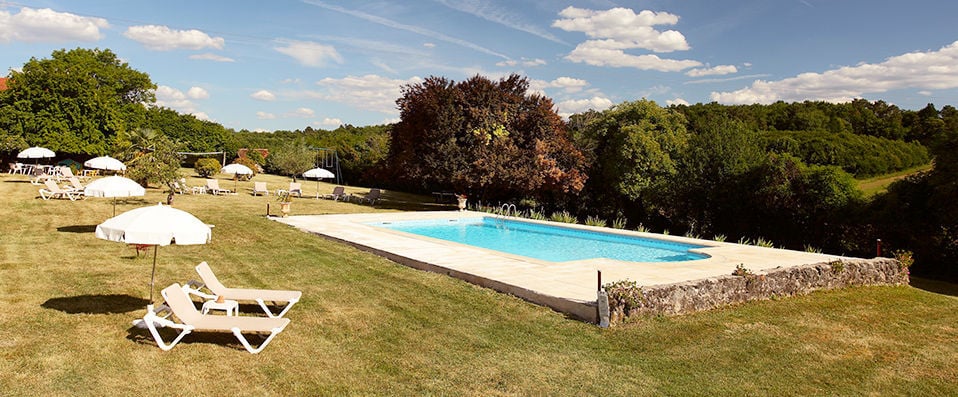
(369, 326)
(879, 184)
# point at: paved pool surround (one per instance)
(568, 287)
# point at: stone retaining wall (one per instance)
(709, 293)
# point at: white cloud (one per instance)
(328, 122)
(614, 31)
(301, 112)
(567, 84)
(624, 27)
(309, 53)
(263, 95)
(599, 54)
(369, 92)
(523, 62)
(392, 120)
(429, 45)
(197, 93)
(175, 99)
(676, 101)
(162, 38)
(48, 26)
(925, 93)
(261, 130)
(265, 116)
(713, 71)
(931, 70)
(211, 57)
(573, 106)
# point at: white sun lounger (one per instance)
(261, 296)
(179, 304)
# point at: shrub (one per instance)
(563, 216)
(207, 167)
(595, 221)
(624, 294)
(905, 259)
(249, 163)
(720, 238)
(537, 215)
(619, 223)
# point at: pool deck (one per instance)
(568, 287)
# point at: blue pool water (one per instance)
(546, 242)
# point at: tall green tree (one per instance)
(483, 137)
(708, 191)
(76, 101)
(632, 150)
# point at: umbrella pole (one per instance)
(153, 273)
(114, 205)
(317, 187)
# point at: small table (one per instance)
(231, 307)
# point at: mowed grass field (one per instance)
(368, 326)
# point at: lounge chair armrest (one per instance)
(194, 287)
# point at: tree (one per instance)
(291, 159)
(159, 164)
(487, 138)
(707, 190)
(77, 101)
(633, 148)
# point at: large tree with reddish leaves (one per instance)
(481, 137)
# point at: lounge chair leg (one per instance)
(151, 320)
(269, 313)
(251, 349)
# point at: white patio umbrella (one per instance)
(105, 163)
(36, 152)
(155, 225)
(114, 186)
(318, 173)
(236, 169)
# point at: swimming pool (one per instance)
(546, 242)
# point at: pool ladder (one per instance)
(504, 211)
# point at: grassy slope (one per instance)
(879, 184)
(370, 326)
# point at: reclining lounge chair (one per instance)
(55, 191)
(179, 304)
(261, 296)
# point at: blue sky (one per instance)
(288, 64)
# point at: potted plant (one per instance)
(284, 199)
(462, 202)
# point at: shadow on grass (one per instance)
(935, 286)
(77, 229)
(96, 304)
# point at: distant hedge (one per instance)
(860, 155)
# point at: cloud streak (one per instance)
(409, 28)
(500, 16)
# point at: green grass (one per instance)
(879, 184)
(369, 326)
